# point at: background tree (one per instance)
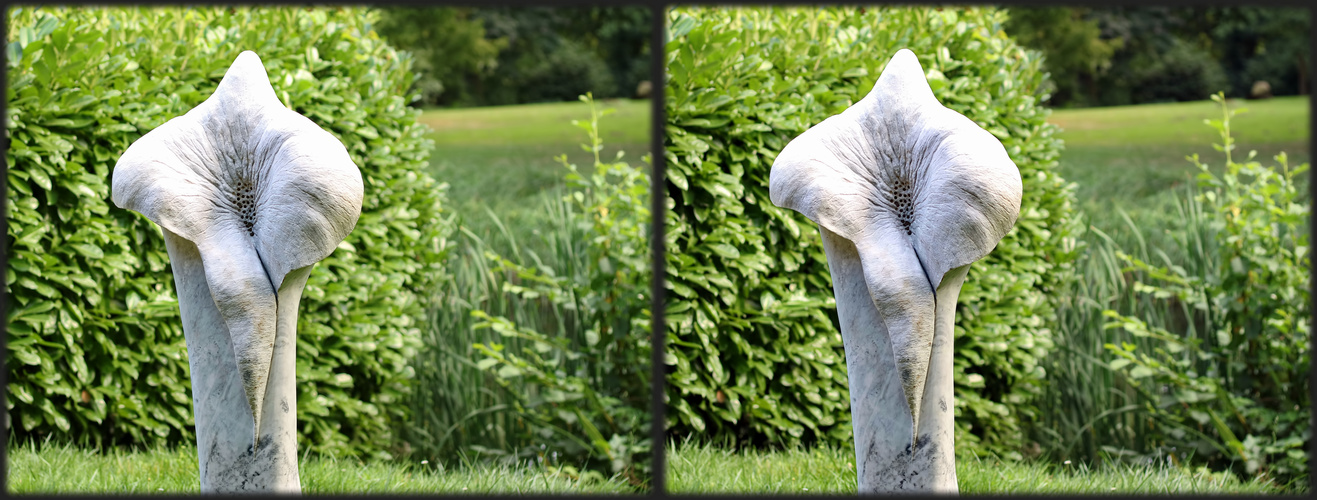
(621, 36)
(1073, 46)
(1160, 59)
(503, 55)
(1258, 43)
(448, 44)
(1134, 55)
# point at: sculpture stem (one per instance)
(885, 459)
(228, 459)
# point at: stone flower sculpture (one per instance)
(249, 195)
(906, 193)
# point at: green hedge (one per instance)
(754, 352)
(96, 348)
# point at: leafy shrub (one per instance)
(582, 384)
(1236, 390)
(753, 347)
(96, 345)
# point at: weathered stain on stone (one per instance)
(211, 456)
(909, 471)
(242, 471)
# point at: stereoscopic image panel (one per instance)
(328, 250)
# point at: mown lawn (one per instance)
(1276, 120)
(696, 468)
(66, 469)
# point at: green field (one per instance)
(64, 469)
(1122, 156)
(503, 158)
(1280, 120)
(706, 469)
(546, 124)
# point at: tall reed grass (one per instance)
(538, 342)
(456, 409)
(1088, 411)
(1188, 322)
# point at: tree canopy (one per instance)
(502, 55)
(1134, 55)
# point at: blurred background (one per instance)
(1138, 55)
(468, 56)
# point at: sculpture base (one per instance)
(224, 424)
(885, 459)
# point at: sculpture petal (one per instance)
(900, 291)
(260, 189)
(248, 304)
(310, 200)
(824, 174)
(970, 201)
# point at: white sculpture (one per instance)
(249, 195)
(907, 193)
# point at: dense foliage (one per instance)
(753, 348)
(95, 344)
(1231, 387)
(488, 56)
(1134, 55)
